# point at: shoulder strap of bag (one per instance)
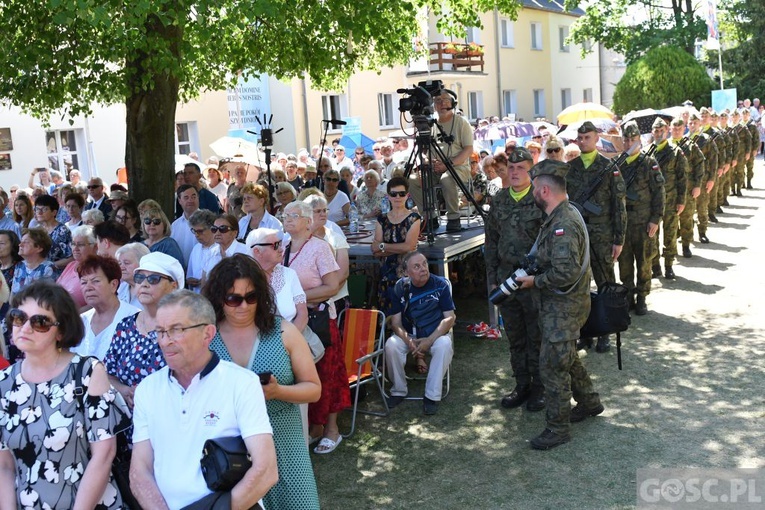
(79, 387)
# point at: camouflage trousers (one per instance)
(637, 254)
(601, 261)
(723, 188)
(521, 317)
(749, 170)
(712, 197)
(563, 374)
(669, 229)
(738, 180)
(702, 209)
(686, 219)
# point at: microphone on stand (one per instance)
(335, 122)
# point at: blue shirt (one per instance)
(422, 307)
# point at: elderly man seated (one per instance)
(422, 316)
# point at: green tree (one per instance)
(665, 76)
(632, 27)
(742, 25)
(149, 54)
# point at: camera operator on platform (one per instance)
(458, 147)
(563, 279)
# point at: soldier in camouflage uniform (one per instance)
(725, 146)
(709, 150)
(563, 281)
(738, 178)
(723, 188)
(752, 127)
(511, 229)
(708, 128)
(674, 167)
(695, 180)
(605, 226)
(645, 208)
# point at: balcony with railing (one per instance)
(456, 57)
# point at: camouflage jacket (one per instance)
(735, 143)
(709, 150)
(646, 190)
(696, 164)
(745, 141)
(511, 229)
(674, 167)
(609, 195)
(752, 127)
(561, 253)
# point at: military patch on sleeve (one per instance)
(655, 168)
(620, 186)
(616, 172)
(658, 178)
(561, 251)
(559, 232)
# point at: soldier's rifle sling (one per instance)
(584, 196)
(629, 180)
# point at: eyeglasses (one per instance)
(293, 216)
(176, 332)
(39, 323)
(275, 245)
(331, 179)
(401, 194)
(339, 150)
(81, 245)
(320, 211)
(234, 300)
(555, 150)
(155, 221)
(360, 153)
(121, 219)
(42, 209)
(222, 229)
(153, 279)
(376, 150)
(94, 186)
(198, 232)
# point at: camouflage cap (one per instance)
(630, 130)
(693, 116)
(735, 113)
(724, 114)
(519, 154)
(550, 167)
(659, 123)
(704, 111)
(587, 127)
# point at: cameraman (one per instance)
(564, 283)
(458, 147)
(511, 228)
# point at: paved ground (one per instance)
(690, 395)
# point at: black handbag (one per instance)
(610, 312)
(224, 462)
(318, 320)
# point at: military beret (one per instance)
(704, 111)
(520, 154)
(693, 116)
(587, 127)
(630, 130)
(735, 113)
(550, 167)
(724, 114)
(658, 123)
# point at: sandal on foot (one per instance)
(326, 445)
(422, 366)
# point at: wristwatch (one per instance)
(381, 246)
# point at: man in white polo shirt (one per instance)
(194, 398)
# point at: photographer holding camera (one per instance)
(511, 228)
(563, 279)
(457, 146)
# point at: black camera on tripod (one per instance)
(509, 286)
(420, 97)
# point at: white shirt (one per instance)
(124, 294)
(199, 257)
(268, 221)
(98, 345)
(223, 400)
(180, 230)
(287, 291)
(335, 207)
(236, 247)
(220, 191)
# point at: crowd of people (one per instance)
(186, 329)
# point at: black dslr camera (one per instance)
(529, 268)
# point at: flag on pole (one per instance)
(713, 33)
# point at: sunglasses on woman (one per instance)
(222, 229)
(153, 279)
(155, 221)
(234, 300)
(332, 179)
(40, 323)
(401, 194)
(555, 150)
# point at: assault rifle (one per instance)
(630, 179)
(586, 194)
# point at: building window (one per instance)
(509, 102)
(183, 138)
(563, 35)
(475, 105)
(334, 106)
(587, 95)
(473, 35)
(385, 110)
(64, 150)
(536, 36)
(539, 103)
(565, 98)
(507, 33)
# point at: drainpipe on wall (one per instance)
(499, 71)
(305, 116)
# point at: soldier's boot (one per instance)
(719, 210)
(669, 273)
(581, 412)
(604, 344)
(749, 183)
(516, 397)
(712, 218)
(536, 401)
(703, 237)
(656, 270)
(641, 308)
(549, 439)
(583, 343)
(687, 251)
(738, 193)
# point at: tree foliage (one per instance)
(632, 27)
(742, 25)
(65, 55)
(665, 76)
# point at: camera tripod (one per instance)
(423, 153)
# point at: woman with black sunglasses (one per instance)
(338, 203)
(134, 352)
(57, 450)
(156, 228)
(252, 336)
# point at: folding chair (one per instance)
(363, 334)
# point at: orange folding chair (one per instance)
(363, 332)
